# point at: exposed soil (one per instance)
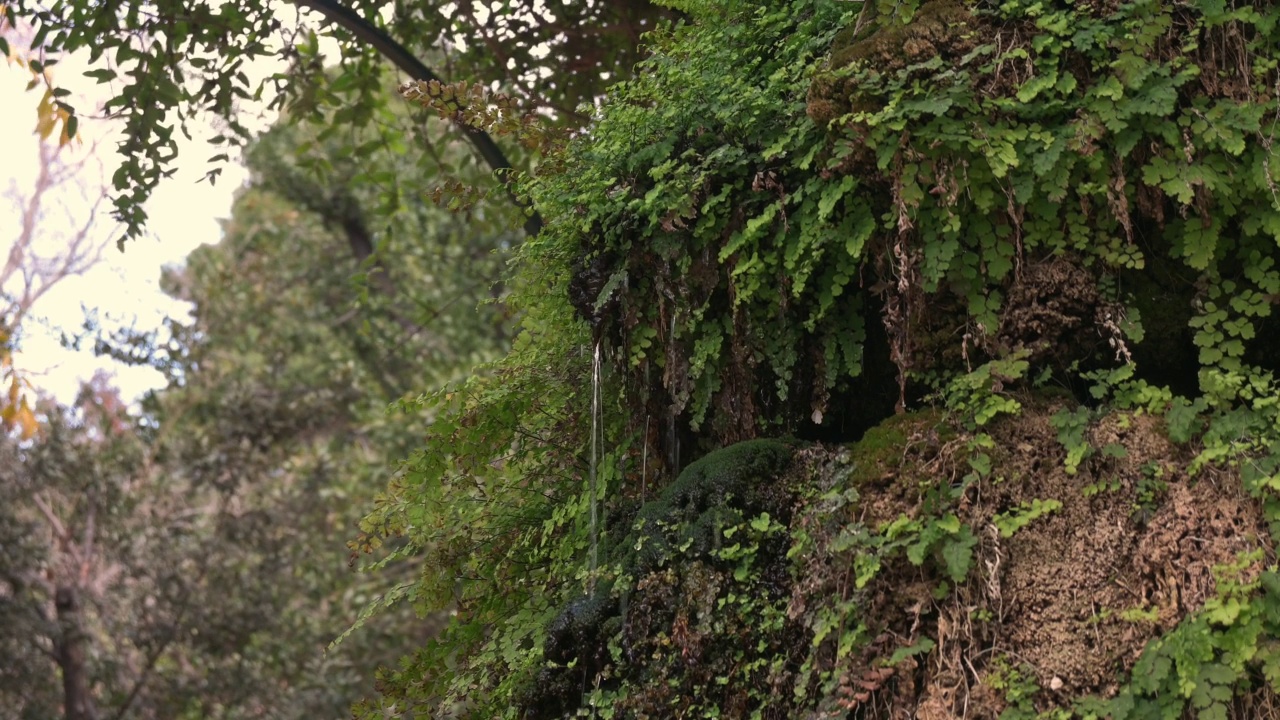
(1071, 599)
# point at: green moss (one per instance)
(719, 489)
(578, 625)
(733, 473)
(880, 451)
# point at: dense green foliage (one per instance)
(147, 535)
(698, 205)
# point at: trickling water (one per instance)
(644, 459)
(595, 459)
(673, 435)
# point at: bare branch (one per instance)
(55, 524)
(40, 257)
(400, 56)
(85, 551)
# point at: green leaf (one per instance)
(957, 554)
(762, 522)
(1182, 420)
(1036, 85)
(948, 523)
(102, 75)
(832, 193)
(923, 646)
(981, 463)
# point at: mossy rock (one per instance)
(688, 520)
(722, 488)
(880, 452)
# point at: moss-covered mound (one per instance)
(934, 573)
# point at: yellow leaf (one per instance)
(27, 419)
(46, 116)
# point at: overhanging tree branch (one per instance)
(406, 61)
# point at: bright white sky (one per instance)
(124, 287)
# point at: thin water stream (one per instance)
(596, 429)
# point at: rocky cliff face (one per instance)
(1007, 272)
